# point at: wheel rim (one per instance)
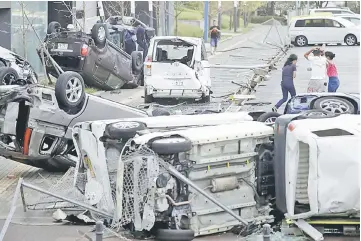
(335, 106)
(270, 120)
(301, 41)
(126, 125)
(101, 33)
(8, 79)
(350, 40)
(74, 90)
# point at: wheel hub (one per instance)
(74, 90)
(334, 106)
(126, 125)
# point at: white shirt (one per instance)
(318, 65)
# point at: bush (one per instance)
(262, 19)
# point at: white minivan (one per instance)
(177, 68)
(323, 30)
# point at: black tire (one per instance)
(268, 117)
(316, 114)
(50, 165)
(123, 129)
(301, 41)
(339, 105)
(8, 75)
(137, 61)
(53, 27)
(147, 98)
(160, 112)
(170, 145)
(350, 39)
(174, 235)
(99, 34)
(70, 81)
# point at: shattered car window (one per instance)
(169, 51)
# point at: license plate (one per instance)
(178, 83)
(62, 46)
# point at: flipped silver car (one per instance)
(36, 122)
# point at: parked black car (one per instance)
(98, 57)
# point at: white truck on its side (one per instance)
(178, 181)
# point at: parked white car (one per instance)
(333, 11)
(353, 18)
(178, 68)
(323, 30)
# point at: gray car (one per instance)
(36, 122)
(98, 57)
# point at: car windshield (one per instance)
(172, 50)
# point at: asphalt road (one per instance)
(39, 226)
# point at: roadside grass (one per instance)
(44, 81)
(195, 31)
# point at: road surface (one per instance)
(39, 226)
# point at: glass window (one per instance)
(23, 39)
(355, 21)
(300, 23)
(336, 12)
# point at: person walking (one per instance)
(287, 85)
(333, 81)
(215, 34)
(318, 61)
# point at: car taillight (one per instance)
(27, 136)
(291, 127)
(84, 50)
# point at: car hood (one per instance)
(7, 54)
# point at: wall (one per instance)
(5, 28)
(23, 39)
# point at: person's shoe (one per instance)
(274, 109)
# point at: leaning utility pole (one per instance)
(205, 32)
(132, 8)
(235, 16)
(150, 6)
(219, 14)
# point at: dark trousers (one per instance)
(285, 90)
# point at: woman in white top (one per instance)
(318, 80)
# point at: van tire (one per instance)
(8, 76)
(301, 41)
(170, 145)
(350, 40)
(268, 117)
(126, 131)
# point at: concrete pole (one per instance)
(235, 18)
(150, 5)
(206, 8)
(245, 23)
(161, 26)
(219, 14)
(308, 7)
(132, 8)
(99, 231)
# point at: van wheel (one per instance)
(268, 117)
(301, 41)
(170, 145)
(350, 40)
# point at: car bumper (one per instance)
(180, 94)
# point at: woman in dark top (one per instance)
(288, 75)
